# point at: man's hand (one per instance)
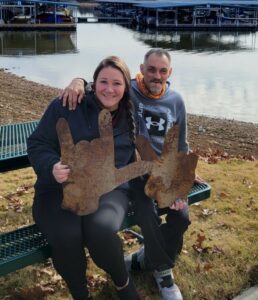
(60, 172)
(73, 93)
(179, 204)
(182, 203)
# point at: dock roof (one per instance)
(177, 3)
(182, 3)
(26, 2)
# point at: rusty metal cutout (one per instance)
(92, 165)
(173, 174)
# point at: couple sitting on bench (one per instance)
(88, 153)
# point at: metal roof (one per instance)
(24, 2)
(180, 3)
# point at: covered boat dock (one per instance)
(187, 14)
(37, 15)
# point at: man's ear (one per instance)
(142, 68)
(170, 71)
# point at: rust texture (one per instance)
(173, 174)
(92, 165)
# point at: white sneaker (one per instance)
(135, 260)
(168, 289)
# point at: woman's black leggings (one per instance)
(68, 233)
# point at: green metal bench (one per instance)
(13, 145)
(26, 246)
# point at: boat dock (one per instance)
(42, 27)
(185, 14)
(37, 15)
(99, 19)
(170, 14)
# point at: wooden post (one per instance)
(55, 12)
(157, 18)
(176, 20)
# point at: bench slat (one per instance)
(13, 145)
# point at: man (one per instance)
(161, 107)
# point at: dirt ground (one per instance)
(22, 100)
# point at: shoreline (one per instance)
(23, 100)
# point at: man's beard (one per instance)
(155, 90)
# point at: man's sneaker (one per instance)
(135, 260)
(165, 281)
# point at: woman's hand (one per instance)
(73, 93)
(60, 172)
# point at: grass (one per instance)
(219, 257)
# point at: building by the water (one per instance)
(37, 14)
(185, 14)
(178, 14)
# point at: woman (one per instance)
(66, 232)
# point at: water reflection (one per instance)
(86, 11)
(37, 42)
(221, 81)
(198, 41)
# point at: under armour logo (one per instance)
(159, 124)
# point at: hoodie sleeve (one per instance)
(182, 123)
(43, 144)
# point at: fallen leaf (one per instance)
(36, 292)
(198, 268)
(96, 281)
(207, 267)
(208, 212)
(217, 250)
(200, 239)
(223, 195)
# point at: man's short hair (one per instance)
(157, 51)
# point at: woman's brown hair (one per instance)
(119, 64)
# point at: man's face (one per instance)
(156, 70)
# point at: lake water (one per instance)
(216, 72)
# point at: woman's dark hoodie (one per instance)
(43, 144)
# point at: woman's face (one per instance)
(110, 87)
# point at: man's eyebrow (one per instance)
(151, 67)
(161, 69)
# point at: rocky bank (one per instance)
(23, 100)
